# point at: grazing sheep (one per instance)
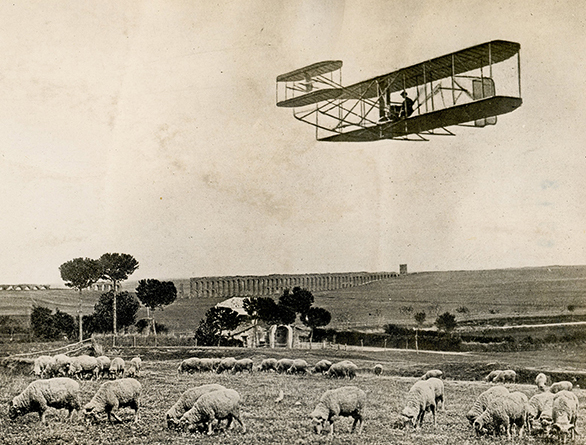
(283, 365)
(540, 408)
(438, 390)
(378, 369)
(113, 395)
(483, 400)
(541, 381)
(343, 369)
(130, 370)
(508, 376)
(226, 364)
(321, 367)
(58, 392)
(268, 364)
(492, 375)
(502, 412)
(186, 402)
(244, 364)
(42, 365)
(216, 362)
(189, 365)
(212, 407)
(137, 364)
(206, 364)
(299, 366)
(60, 366)
(103, 365)
(420, 398)
(564, 414)
(116, 367)
(346, 401)
(434, 373)
(84, 366)
(561, 386)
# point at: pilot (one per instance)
(406, 107)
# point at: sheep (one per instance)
(130, 370)
(284, 364)
(244, 364)
(378, 369)
(482, 401)
(502, 412)
(540, 408)
(186, 402)
(84, 365)
(438, 389)
(343, 369)
(116, 367)
(346, 401)
(226, 364)
(42, 365)
(299, 366)
(561, 386)
(212, 407)
(137, 364)
(103, 365)
(206, 364)
(216, 362)
(565, 414)
(432, 373)
(58, 392)
(113, 395)
(508, 376)
(492, 375)
(541, 381)
(268, 364)
(420, 399)
(188, 365)
(321, 367)
(60, 365)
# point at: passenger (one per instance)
(406, 106)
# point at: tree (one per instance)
(80, 273)
(300, 300)
(218, 319)
(51, 326)
(116, 267)
(259, 309)
(446, 322)
(419, 319)
(154, 293)
(316, 317)
(126, 309)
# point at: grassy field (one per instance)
(486, 294)
(268, 422)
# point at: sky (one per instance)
(150, 128)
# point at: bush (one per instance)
(48, 326)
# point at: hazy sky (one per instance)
(150, 128)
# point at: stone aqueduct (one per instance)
(244, 286)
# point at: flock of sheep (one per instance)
(552, 411)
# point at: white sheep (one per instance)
(343, 369)
(137, 362)
(212, 407)
(436, 373)
(60, 366)
(505, 411)
(103, 365)
(268, 364)
(321, 367)
(186, 402)
(113, 395)
(561, 386)
(492, 375)
(284, 364)
(299, 366)
(483, 400)
(507, 376)
(541, 381)
(58, 392)
(189, 365)
(378, 369)
(438, 390)
(116, 367)
(207, 364)
(42, 365)
(84, 366)
(346, 401)
(565, 414)
(244, 364)
(540, 408)
(420, 399)
(226, 364)
(130, 370)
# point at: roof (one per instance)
(234, 303)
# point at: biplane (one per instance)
(411, 103)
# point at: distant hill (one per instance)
(467, 294)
